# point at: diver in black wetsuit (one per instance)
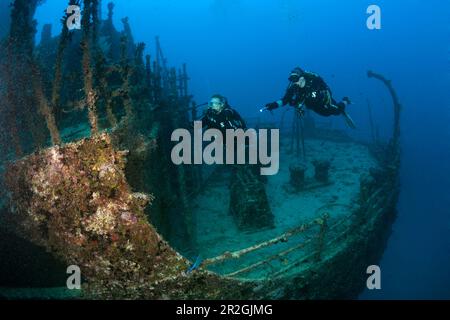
(221, 116)
(307, 89)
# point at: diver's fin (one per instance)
(349, 120)
(347, 100)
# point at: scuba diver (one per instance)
(221, 116)
(309, 90)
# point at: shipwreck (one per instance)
(87, 180)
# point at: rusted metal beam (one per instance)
(238, 254)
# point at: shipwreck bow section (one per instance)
(75, 201)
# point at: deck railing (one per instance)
(328, 234)
(317, 242)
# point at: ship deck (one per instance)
(217, 233)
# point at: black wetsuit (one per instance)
(228, 118)
(315, 95)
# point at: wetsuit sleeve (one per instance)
(287, 99)
(206, 120)
(289, 96)
(235, 120)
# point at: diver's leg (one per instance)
(337, 108)
(329, 109)
(341, 107)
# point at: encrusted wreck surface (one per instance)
(75, 201)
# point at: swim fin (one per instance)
(349, 120)
(347, 100)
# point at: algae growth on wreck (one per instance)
(92, 102)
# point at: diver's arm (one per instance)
(206, 120)
(235, 121)
(274, 105)
(288, 96)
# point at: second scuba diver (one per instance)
(307, 89)
(221, 116)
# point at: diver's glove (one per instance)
(272, 106)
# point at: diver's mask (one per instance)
(295, 75)
(216, 104)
